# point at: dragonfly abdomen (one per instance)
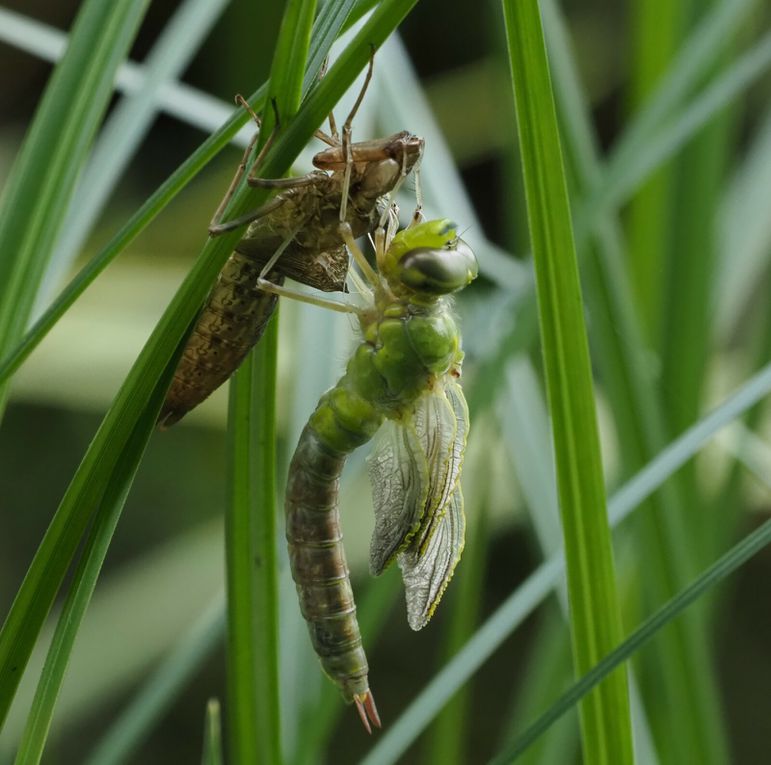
(319, 566)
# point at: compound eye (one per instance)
(439, 271)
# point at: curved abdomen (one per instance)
(318, 563)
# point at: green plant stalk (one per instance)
(78, 598)
(253, 709)
(689, 285)
(251, 554)
(547, 672)
(212, 735)
(717, 572)
(682, 669)
(61, 540)
(654, 28)
(157, 693)
(448, 738)
(594, 611)
(687, 316)
(729, 499)
(43, 178)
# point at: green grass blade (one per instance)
(687, 285)
(595, 616)
(128, 123)
(548, 672)
(84, 580)
(254, 728)
(694, 62)
(326, 29)
(52, 559)
(212, 735)
(43, 178)
(154, 698)
(533, 591)
(682, 664)
(251, 554)
(625, 172)
(655, 30)
(717, 572)
(744, 231)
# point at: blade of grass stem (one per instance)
(125, 128)
(683, 665)
(624, 173)
(212, 735)
(43, 177)
(594, 611)
(655, 30)
(253, 708)
(547, 672)
(86, 573)
(156, 695)
(696, 58)
(737, 556)
(251, 554)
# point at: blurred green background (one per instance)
(165, 565)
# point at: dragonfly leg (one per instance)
(309, 179)
(346, 145)
(304, 297)
(417, 216)
(216, 228)
(361, 261)
(216, 225)
(264, 283)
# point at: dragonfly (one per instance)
(297, 234)
(401, 383)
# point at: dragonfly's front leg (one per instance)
(369, 273)
(303, 297)
(264, 283)
(216, 225)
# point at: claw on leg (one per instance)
(365, 706)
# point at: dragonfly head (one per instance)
(430, 260)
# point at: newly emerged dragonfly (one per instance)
(297, 235)
(402, 380)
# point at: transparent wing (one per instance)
(398, 471)
(427, 573)
(429, 559)
(445, 453)
(413, 471)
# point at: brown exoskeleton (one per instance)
(301, 233)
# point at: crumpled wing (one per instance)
(398, 472)
(427, 574)
(430, 556)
